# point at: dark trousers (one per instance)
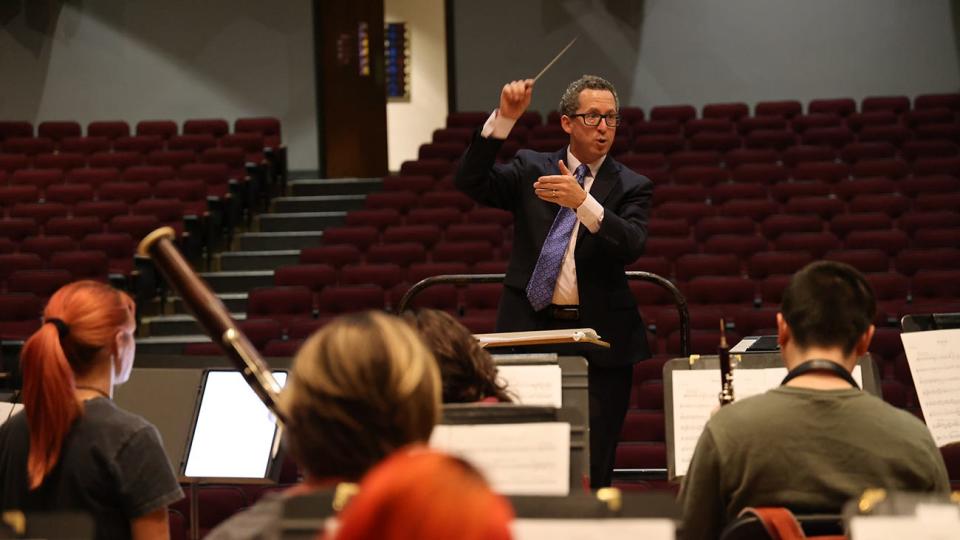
(609, 391)
(609, 399)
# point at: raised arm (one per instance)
(478, 175)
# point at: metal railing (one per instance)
(466, 279)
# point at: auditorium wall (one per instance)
(410, 123)
(701, 51)
(112, 59)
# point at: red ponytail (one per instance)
(92, 313)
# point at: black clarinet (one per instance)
(726, 368)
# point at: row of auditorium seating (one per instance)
(736, 110)
(267, 127)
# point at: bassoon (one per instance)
(211, 314)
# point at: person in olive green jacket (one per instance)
(817, 440)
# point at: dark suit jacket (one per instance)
(606, 303)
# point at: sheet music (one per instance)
(516, 459)
(9, 409)
(934, 359)
(533, 385)
(695, 396)
(608, 529)
(931, 522)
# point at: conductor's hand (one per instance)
(562, 188)
(515, 98)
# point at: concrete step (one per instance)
(334, 186)
(319, 203)
(258, 260)
(233, 282)
(299, 221)
(257, 241)
(234, 302)
(178, 325)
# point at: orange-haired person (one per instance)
(419, 493)
(72, 448)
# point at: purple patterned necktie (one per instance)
(544, 278)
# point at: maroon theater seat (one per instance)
(45, 246)
(729, 111)
(865, 260)
(858, 121)
(889, 241)
(770, 263)
(11, 262)
(19, 315)
(39, 212)
(216, 127)
(859, 151)
(14, 162)
(760, 173)
(848, 189)
(668, 227)
(119, 248)
(710, 158)
(911, 222)
(447, 199)
(74, 227)
(11, 195)
(110, 129)
(817, 244)
(896, 104)
(710, 226)
(778, 224)
(439, 217)
(64, 161)
(658, 127)
(827, 171)
(401, 201)
(751, 123)
(15, 129)
(127, 192)
(269, 127)
(29, 146)
(336, 255)
(115, 159)
(360, 236)
(674, 113)
(137, 226)
(805, 154)
(722, 193)
(937, 238)
(102, 210)
(751, 208)
(770, 139)
(805, 122)
(468, 252)
(891, 204)
(844, 224)
(936, 284)
(895, 134)
(41, 178)
(82, 264)
(143, 144)
(402, 253)
(700, 175)
(281, 304)
(838, 106)
(380, 218)
(742, 246)
(386, 275)
(17, 229)
(935, 183)
(664, 143)
(94, 177)
(931, 101)
(426, 235)
(312, 276)
(785, 108)
(58, 130)
(85, 145)
(42, 283)
(196, 142)
(437, 168)
(701, 264)
(784, 191)
(351, 298)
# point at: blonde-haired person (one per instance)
(72, 448)
(361, 387)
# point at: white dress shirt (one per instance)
(589, 213)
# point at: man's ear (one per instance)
(864, 342)
(566, 123)
(783, 331)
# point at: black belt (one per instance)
(562, 313)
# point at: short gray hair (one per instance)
(571, 96)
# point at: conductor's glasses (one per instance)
(593, 119)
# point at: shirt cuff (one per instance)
(590, 213)
(497, 126)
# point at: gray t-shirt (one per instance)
(808, 450)
(112, 466)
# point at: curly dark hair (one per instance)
(467, 371)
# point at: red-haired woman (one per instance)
(419, 493)
(72, 448)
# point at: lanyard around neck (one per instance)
(827, 366)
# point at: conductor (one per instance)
(579, 218)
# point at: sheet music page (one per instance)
(516, 459)
(533, 385)
(9, 409)
(934, 359)
(696, 394)
(608, 529)
(900, 527)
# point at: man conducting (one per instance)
(816, 441)
(579, 218)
